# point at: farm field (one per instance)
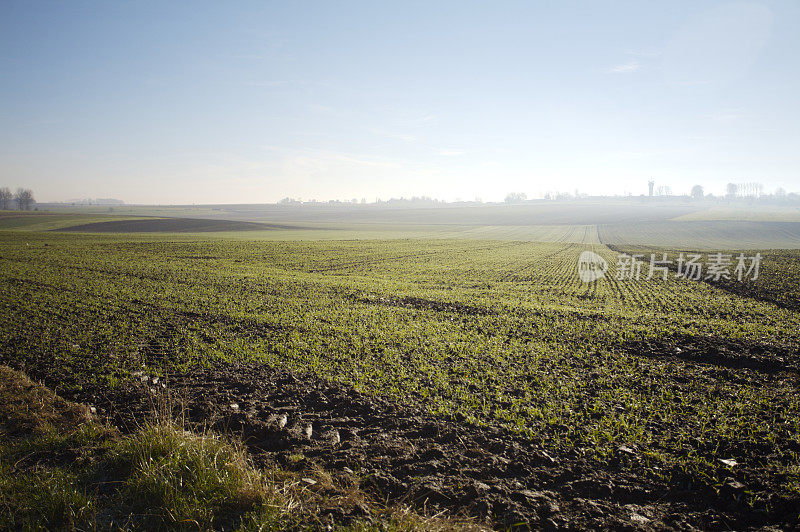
(26, 221)
(168, 225)
(623, 224)
(468, 375)
(753, 213)
(707, 235)
(383, 267)
(537, 213)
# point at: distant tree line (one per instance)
(96, 201)
(733, 191)
(396, 202)
(748, 191)
(22, 198)
(516, 197)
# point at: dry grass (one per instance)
(62, 469)
(27, 407)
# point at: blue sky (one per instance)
(231, 102)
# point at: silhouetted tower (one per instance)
(650, 185)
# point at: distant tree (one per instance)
(516, 197)
(748, 190)
(781, 192)
(697, 192)
(289, 201)
(24, 199)
(5, 197)
(731, 190)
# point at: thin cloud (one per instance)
(391, 134)
(729, 116)
(624, 68)
(255, 57)
(322, 159)
(645, 53)
(698, 83)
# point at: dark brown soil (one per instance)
(720, 352)
(404, 455)
(170, 225)
(427, 304)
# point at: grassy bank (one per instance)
(61, 468)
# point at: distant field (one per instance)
(37, 221)
(238, 230)
(703, 235)
(534, 214)
(625, 224)
(530, 233)
(169, 225)
(752, 213)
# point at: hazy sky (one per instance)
(231, 102)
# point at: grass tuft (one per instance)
(173, 477)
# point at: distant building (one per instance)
(650, 185)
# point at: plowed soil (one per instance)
(403, 455)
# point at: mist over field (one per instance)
(676, 223)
